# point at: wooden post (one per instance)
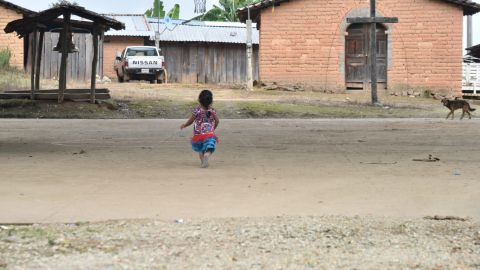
(249, 56)
(94, 65)
(39, 60)
(33, 63)
(373, 52)
(101, 54)
(63, 64)
(249, 53)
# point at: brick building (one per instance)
(8, 13)
(310, 42)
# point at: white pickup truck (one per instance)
(140, 63)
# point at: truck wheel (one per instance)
(161, 78)
(120, 78)
(153, 81)
(126, 77)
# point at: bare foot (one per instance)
(205, 162)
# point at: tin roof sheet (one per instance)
(136, 25)
(199, 31)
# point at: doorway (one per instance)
(357, 60)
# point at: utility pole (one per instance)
(249, 53)
(469, 31)
(157, 33)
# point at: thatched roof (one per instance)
(49, 19)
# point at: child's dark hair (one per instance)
(205, 98)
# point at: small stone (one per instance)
(105, 79)
(273, 86)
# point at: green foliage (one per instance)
(174, 13)
(156, 10)
(60, 3)
(5, 56)
(226, 11)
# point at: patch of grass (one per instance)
(176, 108)
(161, 108)
(5, 56)
(10, 78)
(288, 110)
(28, 233)
(15, 103)
(260, 109)
(13, 79)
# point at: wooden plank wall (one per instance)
(189, 62)
(79, 65)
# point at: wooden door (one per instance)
(357, 61)
(356, 55)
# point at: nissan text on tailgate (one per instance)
(140, 63)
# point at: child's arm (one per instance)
(189, 122)
(217, 121)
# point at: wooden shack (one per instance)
(59, 19)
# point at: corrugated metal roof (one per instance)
(136, 25)
(198, 31)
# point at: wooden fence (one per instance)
(190, 62)
(186, 62)
(79, 64)
(471, 79)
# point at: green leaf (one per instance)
(174, 13)
(157, 10)
(226, 11)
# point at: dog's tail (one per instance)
(472, 109)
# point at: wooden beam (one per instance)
(39, 60)
(373, 20)
(67, 91)
(33, 63)
(373, 62)
(54, 96)
(373, 51)
(63, 65)
(94, 65)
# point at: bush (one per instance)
(5, 56)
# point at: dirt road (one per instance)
(89, 170)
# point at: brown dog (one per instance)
(456, 104)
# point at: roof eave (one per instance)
(17, 8)
(469, 7)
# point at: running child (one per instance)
(205, 121)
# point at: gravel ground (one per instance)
(329, 242)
